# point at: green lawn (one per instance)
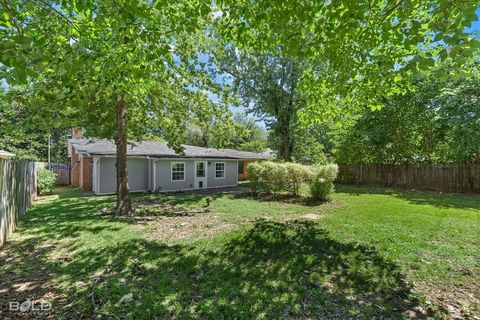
(368, 253)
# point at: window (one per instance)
(200, 169)
(240, 167)
(178, 171)
(219, 170)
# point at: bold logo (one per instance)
(35, 306)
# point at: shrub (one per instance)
(321, 181)
(46, 180)
(273, 176)
(296, 174)
(254, 170)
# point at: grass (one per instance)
(369, 253)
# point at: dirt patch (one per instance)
(168, 222)
(458, 302)
(175, 228)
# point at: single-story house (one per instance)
(153, 166)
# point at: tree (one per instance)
(355, 49)
(26, 142)
(436, 122)
(266, 86)
(116, 68)
(238, 132)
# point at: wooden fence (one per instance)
(451, 177)
(17, 191)
(61, 169)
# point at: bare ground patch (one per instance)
(169, 223)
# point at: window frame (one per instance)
(204, 169)
(224, 170)
(171, 170)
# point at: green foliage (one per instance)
(238, 132)
(356, 50)
(45, 180)
(272, 176)
(254, 173)
(436, 122)
(26, 142)
(321, 181)
(296, 175)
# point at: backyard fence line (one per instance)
(449, 177)
(17, 191)
(61, 169)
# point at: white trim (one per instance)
(224, 170)
(238, 161)
(174, 158)
(204, 179)
(154, 186)
(171, 171)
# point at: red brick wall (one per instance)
(86, 173)
(243, 176)
(75, 169)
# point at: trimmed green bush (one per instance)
(254, 171)
(45, 181)
(273, 176)
(296, 174)
(321, 181)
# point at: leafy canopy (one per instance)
(81, 57)
(357, 49)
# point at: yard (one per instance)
(368, 253)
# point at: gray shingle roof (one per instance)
(159, 149)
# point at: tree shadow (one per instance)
(437, 199)
(271, 270)
(279, 197)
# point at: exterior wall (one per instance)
(75, 169)
(163, 175)
(137, 175)
(243, 176)
(231, 174)
(156, 175)
(85, 173)
(107, 175)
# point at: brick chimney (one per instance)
(77, 134)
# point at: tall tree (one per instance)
(267, 86)
(355, 49)
(114, 67)
(436, 122)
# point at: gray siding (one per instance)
(163, 175)
(137, 175)
(141, 171)
(231, 174)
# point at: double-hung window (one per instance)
(219, 170)
(178, 171)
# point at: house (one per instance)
(153, 166)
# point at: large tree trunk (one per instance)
(124, 204)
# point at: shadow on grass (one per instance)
(281, 197)
(270, 270)
(437, 199)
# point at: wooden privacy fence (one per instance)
(61, 169)
(451, 177)
(17, 191)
